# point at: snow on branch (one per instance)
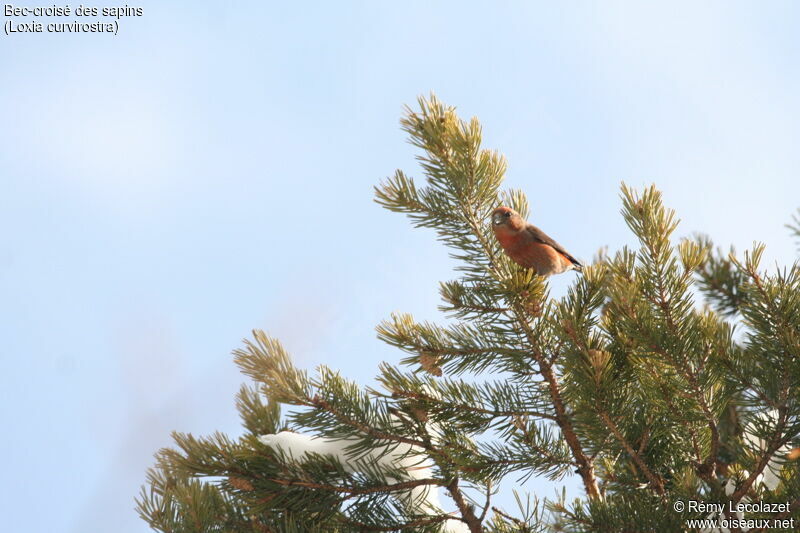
(404, 457)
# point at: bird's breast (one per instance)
(529, 253)
(507, 239)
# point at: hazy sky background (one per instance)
(209, 170)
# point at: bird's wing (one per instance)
(543, 238)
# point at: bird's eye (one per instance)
(507, 215)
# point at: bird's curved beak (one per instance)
(497, 219)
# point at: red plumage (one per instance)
(529, 246)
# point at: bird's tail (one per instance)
(576, 265)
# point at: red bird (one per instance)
(529, 246)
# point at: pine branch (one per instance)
(773, 306)
(623, 380)
(387, 488)
(457, 217)
(794, 227)
(719, 279)
(467, 510)
(655, 481)
(420, 522)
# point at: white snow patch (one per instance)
(409, 458)
(770, 476)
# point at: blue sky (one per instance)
(209, 170)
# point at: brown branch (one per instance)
(710, 463)
(394, 487)
(368, 430)
(477, 308)
(516, 521)
(488, 503)
(774, 444)
(655, 480)
(428, 521)
(432, 450)
(775, 441)
(645, 439)
(691, 377)
(746, 381)
(527, 438)
(562, 418)
(467, 511)
(491, 412)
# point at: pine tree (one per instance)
(669, 372)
